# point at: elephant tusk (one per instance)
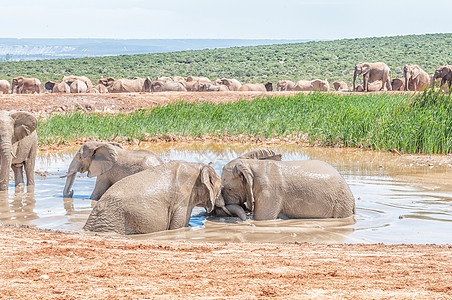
(13, 155)
(68, 174)
(227, 211)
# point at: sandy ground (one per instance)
(41, 264)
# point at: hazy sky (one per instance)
(264, 19)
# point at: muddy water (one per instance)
(397, 201)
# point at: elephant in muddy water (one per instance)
(373, 72)
(312, 85)
(416, 79)
(157, 199)
(18, 147)
(109, 162)
(272, 188)
(25, 85)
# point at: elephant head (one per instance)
(444, 73)
(157, 86)
(237, 182)
(269, 86)
(210, 184)
(321, 85)
(18, 81)
(14, 126)
(360, 69)
(410, 72)
(49, 85)
(106, 81)
(147, 86)
(93, 157)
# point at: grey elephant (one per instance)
(398, 84)
(109, 162)
(373, 72)
(292, 189)
(340, 86)
(77, 87)
(18, 147)
(232, 84)
(170, 86)
(445, 73)
(285, 85)
(125, 85)
(4, 86)
(156, 199)
(416, 79)
(25, 85)
(312, 85)
(54, 87)
(70, 79)
(253, 87)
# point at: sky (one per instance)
(242, 19)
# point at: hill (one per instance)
(333, 60)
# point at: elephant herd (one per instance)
(376, 76)
(138, 193)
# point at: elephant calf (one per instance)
(156, 199)
(293, 189)
(109, 162)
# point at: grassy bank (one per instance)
(413, 124)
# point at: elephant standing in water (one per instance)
(109, 162)
(18, 147)
(292, 189)
(156, 199)
(373, 72)
(416, 79)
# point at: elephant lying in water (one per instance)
(156, 199)
(109, 162)
(293, 189)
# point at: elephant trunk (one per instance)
(236, 210)
(12, 88)
(406, 82)
(354, 80)
(74, 167)
(6, 160)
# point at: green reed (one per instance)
(419, 123)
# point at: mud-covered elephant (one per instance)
(312, 85)
(232, 84)
(125, 85)
(292, 189)
(208, 87)
(171, 86)
(416, 79)
(340, 86)
(157, 199)
(285, 85)
(70, 79)
(77, 87)
(54, 87)
(196, 78)
(373, 72)
(25, 85)
(18, 147)
(398, 84)
(4, 86)
(253, 87)
(109, 162)
(445, 73)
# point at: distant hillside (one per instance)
(332, 60)
(38, 49)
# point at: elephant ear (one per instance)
(104, 157)
(415, 72)
(248, 178)
(261, 154)
(208, 180)
(24, 124)
(49, 85)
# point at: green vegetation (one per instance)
(413, 124)
(333, 60)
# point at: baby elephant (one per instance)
(156, 199)
(293, 189)
(109, 162)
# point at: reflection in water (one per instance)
(397, 202)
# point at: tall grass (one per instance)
(412, 124)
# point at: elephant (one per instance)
(124, 85)
(398, 84)
(285, 85)
(194, 78)
(157, 199)
(292, 189)
(372, 72)
(54, 87)
(207, 87)
(4, 86)
(416, 79)
(232, 84)
(109, 162)
(445, 73)
(101, 88)
(269, 86)
(18, 147)
(93, 90)
(25, 85)
(340, 86)
(313, 85)
(77, 86)
(253, 87)
(72, 78)
(160, 86)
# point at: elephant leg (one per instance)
(268, 208)
(102, 185)
(365, 83)
(388, 84)
(179, 219)
(29, 167)
(18, 173)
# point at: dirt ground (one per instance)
(42, 264)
